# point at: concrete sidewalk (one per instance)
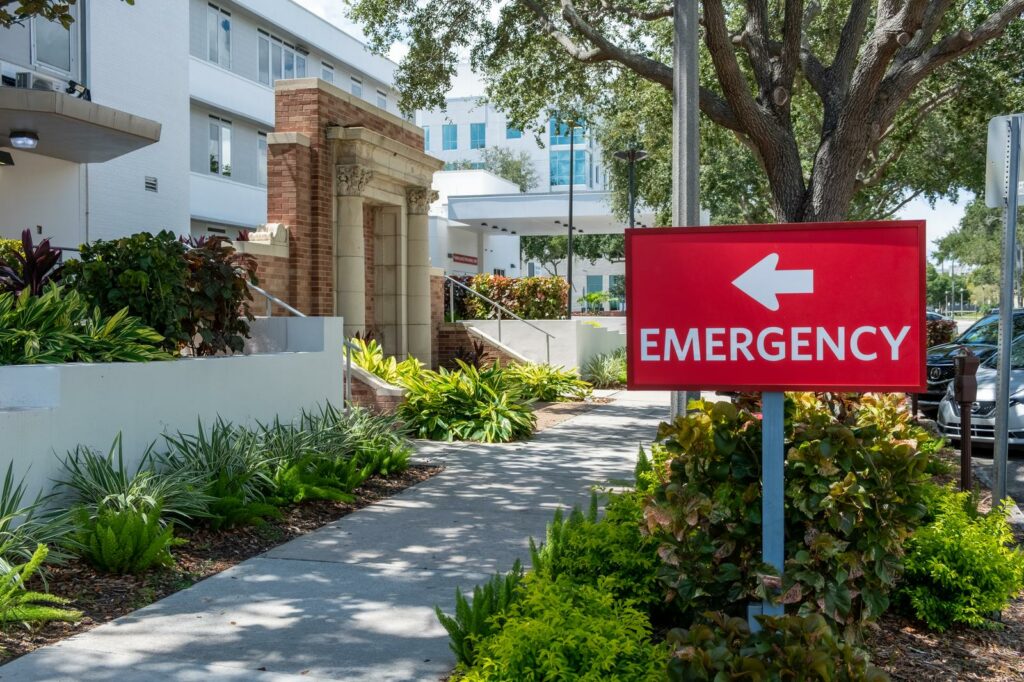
(354, 600)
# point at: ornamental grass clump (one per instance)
(548, 383)
(854, 494)
(606, 370)
(963, 567)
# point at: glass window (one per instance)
(52, 44)
(426, 138)
(218, 37)
(477, 135)
(449, 136)
(327, 72)
(560, 168)
(382, 100)
(220, 146)
(264, 57)
(595, 283)
(560, 132)
(513, 133)
(289, 64)
(276, 50)
(357, 87)
(261, 159)
(531, 269)
(300, 65)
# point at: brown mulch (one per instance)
(908, 651)
(551, 414)
(103, 597)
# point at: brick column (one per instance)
(418, 200)
(349, 252)
(289, 186)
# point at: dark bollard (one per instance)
(965, 392)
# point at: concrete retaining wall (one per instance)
(573, 344)
(46, 410)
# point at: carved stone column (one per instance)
(418, 200)
(349, 247)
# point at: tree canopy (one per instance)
(514, 166)
(812, 110)
(17, 11)
(550, 251)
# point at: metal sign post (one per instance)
(773, 465)
(999, 454)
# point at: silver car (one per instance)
(983, 410)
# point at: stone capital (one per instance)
(419, 199)
(352, 179)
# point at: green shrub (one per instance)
(234, 467)
(144, 273)
(8, 249)
(605, 370)
(18, 605)
(24, 527)
(854, 493)
(474, 621)
(532, 298)
(940, 331)
(467, 404)
(547, 383)
(963, 566)
(558, 630)
(610, 551)
(125, 541)
(31, 268)
(95, 482)
(218, 314)
(59, 326)
(370, 357)
(376, 441)
(787, 648)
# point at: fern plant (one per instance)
(18, 605)
(125, 540)
(316, 478)
(474, 621)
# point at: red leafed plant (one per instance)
(33, 268)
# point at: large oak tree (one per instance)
(823, 93)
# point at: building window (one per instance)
(261, 159)
(595, 283)
(477, 135)
(560, 132)
(218, 36)
(357, 87)
(278, 59)
(500, 272)
(560, 168)
(327, 72)
(382, 100)
(52, 45)
(220, 146)
(426, 138)
(513, 133)
(449, 136)
(531, 269)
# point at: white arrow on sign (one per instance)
(763, 282)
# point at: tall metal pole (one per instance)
(632, 189)
(1002, 435)
(685, 135)
(568, 250)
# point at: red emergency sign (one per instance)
(803, 306)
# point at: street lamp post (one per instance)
(631, 155)
(572, 180)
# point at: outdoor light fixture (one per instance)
(631, 155)
(78, 90)
(6, 159)
(21, 139)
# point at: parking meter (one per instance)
(965, 392)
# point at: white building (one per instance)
(186, 87)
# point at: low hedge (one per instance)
(532, 298)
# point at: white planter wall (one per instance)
(573, 345)
(46, 410)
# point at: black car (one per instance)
(981, 338)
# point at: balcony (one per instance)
(219, 200)
(227, 91)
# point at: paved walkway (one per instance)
(354, 600)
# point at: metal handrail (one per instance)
(501, 309)
(271, 300)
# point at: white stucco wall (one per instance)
(573, 344)
(45, 192)
(46, 410)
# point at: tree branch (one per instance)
(633, 13)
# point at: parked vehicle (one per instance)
(983, 410)
(981, 338)
(933, 316)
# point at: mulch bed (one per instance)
(103, 597)
(551, 414)
(908, 651)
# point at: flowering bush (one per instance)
(532, 298)
(940, 332)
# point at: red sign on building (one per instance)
(463, 258)
(805, 306)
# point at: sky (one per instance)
(941, 219)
